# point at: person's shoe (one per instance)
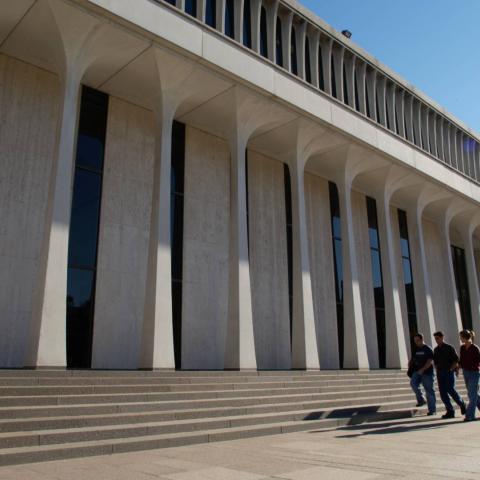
(431, 413)
(468, 419)
(448, 415)
(463, 409)
(421, 404)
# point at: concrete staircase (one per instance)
(50, 415)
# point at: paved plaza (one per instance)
(416, 449)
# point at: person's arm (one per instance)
(427, 365)
(455, 359)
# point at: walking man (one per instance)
(446, 359)
(422, 366)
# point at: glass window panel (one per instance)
(279, 44)
(407, 271)
(293, 50)
(229, 18)
(381, 336)
(339, 268)
(191, 7)
(263, 33)
(80, 298)
(84, 219)
(373, 236)
(337, 227)
(405, 249)
(247, 24)
(211, 13)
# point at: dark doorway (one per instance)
(84, 227)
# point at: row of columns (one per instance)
(390, 105)
(248, 114)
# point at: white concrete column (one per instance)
(451, 291)
(286, 22)
(157, 337)
(391, 106)
(381, 87)
(240, 345)
(476, 160)
(424, 127)
(409, 117)
(220, 16)
(326, 44)
(446, 141)
(360, 77)
(272, 11)
(456, 153)
(180, 4)
(417, 123)
(421, 278)
(338, 53)
(355, 346)
(255, 14)
(439, 137)
(349, 61)
(371, 90)
(238, 20)
(304, 338)
(314, 42)
(300, 39)
(396, 345)
(47, 344)
(473, 285)
(201, 9)
(400, 104)
(432, 132)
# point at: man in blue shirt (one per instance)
(421, 364)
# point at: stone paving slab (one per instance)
(412, 449)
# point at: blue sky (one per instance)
(434, 44)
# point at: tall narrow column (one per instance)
(47, 346)
(157, 338)
(451, 290)
(355, 348)
(473, 286)
(304, 338)
(423, 295)
(396, 347)
(240, 346)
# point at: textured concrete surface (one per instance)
(205, 251)
(123, 237)
(408, 449)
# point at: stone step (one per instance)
(158, 406)
(120, 398)
(38, 453)
(117, 418)
(10, 391)
(22, 373)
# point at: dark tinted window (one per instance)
(279, 44)
(263, 33)
(308, 70)
(377, 278)
(247, 24)
(288, 215)
(211, 13)
(293, 50)
(229, 18)
(338, 264)
(461, 280)
(191, 7)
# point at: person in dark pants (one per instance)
(422, 366)
(446, 359)
(470, 363)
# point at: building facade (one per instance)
(222, 184)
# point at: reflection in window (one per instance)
(176, 212)
(338, 264)
(407, 275)
(211, 13)
(84, 226)
(191, 7)
(263, 33)
(377, 278)
(247, 24)
(229, 18)
(279, 44)
(288, 216)
(461, 281)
